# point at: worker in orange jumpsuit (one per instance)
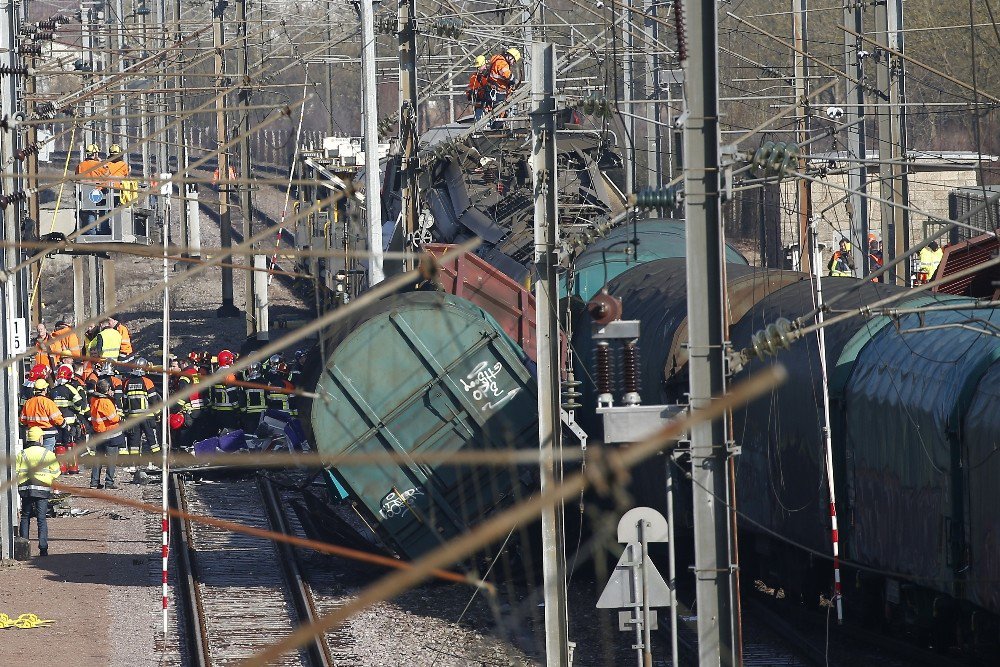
(478, 88)
(64, 339)
(104, 416)
(94, 173)
(41, 411)
(118, 171)
(44, 355)
(502, 77)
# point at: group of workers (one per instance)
(842, 260)
(105, 175)
(76, 389)
(493, 80)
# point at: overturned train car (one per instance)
(915, 443)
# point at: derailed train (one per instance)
(914, 427)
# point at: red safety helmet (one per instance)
(64, 373)
(176, 421)
(226, 358)
(282, 368)
(38, 372)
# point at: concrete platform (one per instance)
(96, 585)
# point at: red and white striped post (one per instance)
(827, 440)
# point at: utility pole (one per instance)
(373, 185)
(328, 80)
(228, 308)
(891, 114)
(408, 117)
(706, 336)
(628, 79)
(34, 210)
(654, 167)
(9, 293)
(546, 183)
(857, 155)
(190, 225)
(256, 312)
(803, 187)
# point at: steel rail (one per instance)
(301, 593)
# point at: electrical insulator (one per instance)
(630, 373)
(658, 198)
(22, 153)
(44, 35)
(571, 392)
(16, 69)
(679, 20)
(30, 49)
(6, 200)
(769, 340)
(45, 108)
(602, 358)
(775, 158)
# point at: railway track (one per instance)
(239, 593)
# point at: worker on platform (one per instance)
(64, 339)
(254, 399)
(842, 261)
(225, 397)
(107, 344)
(72, 403)
(37, 468)
(502, 76)
(41, 411)
(126, 190)
(125, 349)
(104, 416)
(478, 89)
(140, 394)
(930, 259)
(93, 173)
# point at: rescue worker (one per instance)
(875, 255)
(254, 400)
(125, 349)
(107, 372)
(104, 416)
(64, 340)
(37, 372)
(502, 76)
(478, 88)
(140, 394)
(107, 344)
(43, 347)
(930, 259)
(96, 173)
(192, 406)
(72, 404)
(225, 398)
(37, 468)
(41, 411)
(279, 396)
(842, 260)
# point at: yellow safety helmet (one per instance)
(35, 434)
(41, 385)
(93, 148)
(115, 149)
(480, 61)
(515, 54)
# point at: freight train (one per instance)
(914, 424)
